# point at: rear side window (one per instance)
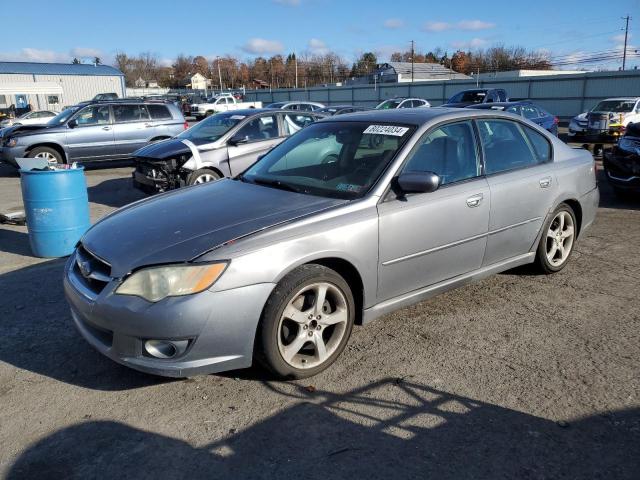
(159, 112)
(130, 113)
(506, 147)
(449, 151)
(541, 146)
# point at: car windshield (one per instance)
(331, 159)
(212, 128)
(387, 104)
(617, 106)
(63, 116)
(472, 96)
(276, 105)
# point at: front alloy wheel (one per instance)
(306, 322)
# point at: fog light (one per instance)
(165, 348)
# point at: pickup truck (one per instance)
(220, 103)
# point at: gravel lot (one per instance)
(519, 376)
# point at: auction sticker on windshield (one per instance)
(386, 130)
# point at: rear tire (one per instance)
(557, 241)
(202, 175)
(48, 153)
(299, 337)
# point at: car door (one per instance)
(517, 164)
(132, 128)
(256, 136)
(90, 134)
(430, 237)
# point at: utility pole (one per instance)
(295, 57)
(626, 34)
(219, 73)
(412, 55)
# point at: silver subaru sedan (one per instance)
(349, 219)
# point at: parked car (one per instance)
(476, 96)
(525, 109)
(622, 162)
(36, 117)
(578, 125)
(105, 96)
(610, 117)
(402, 102)
(339, 110)
(103, 130)
(296, 105)
(220, 103)
(219, 146)
(323, 232)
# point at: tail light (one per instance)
(186, 125)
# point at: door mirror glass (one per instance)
(72, 123)
(418, 182)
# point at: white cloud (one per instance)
(474, 25)
(317, 47)
(259, 46)
(288, 3)
(470, 44)
(461, 25)
(393, 23)
(436, 26)
(86, 52)
(35, 55)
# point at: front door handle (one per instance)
(545, 182)
(106, 128)
(147, 125)
(474, 200)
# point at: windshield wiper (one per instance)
(273, 183)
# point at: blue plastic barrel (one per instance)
(57, 210)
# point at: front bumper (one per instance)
(9, 154)
(220, 326)
(623, 171)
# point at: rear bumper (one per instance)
(589, 203)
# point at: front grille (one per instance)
(92, 272)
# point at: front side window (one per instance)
(261, 128)
(505, 146)
(332, 159)
(296, 122)
(95, 115)
(130, 113)
(448, 151)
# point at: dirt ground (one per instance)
(518, 376)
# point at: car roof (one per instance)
(621, 98)
(415, 116)
(501, 104)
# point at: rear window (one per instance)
(159, 112)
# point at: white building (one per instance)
(51, 86)
(200, 82)
(509, 74)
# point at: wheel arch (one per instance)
(56, 146)
(577, 211)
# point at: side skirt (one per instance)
(425, 293)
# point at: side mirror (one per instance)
(72, 123)
(418, 182)
(237, 140)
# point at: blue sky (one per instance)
(264, 27)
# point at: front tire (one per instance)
(202, 175)
(306, 323)
(50, 154)
(557, 241)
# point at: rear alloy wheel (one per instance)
(52, 156)
(203, 175)
(557, 240)
(306, 323)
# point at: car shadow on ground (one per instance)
(115, 192)
(391, 428)
(8, 171)
(38, 334)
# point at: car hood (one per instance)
(181, 225)
(163, 150)
(25, 130)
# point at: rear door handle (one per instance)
(545, 182)
(474, 200)
(147, 125)
(106, 128)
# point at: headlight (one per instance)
(154, 284)
(11, 142)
